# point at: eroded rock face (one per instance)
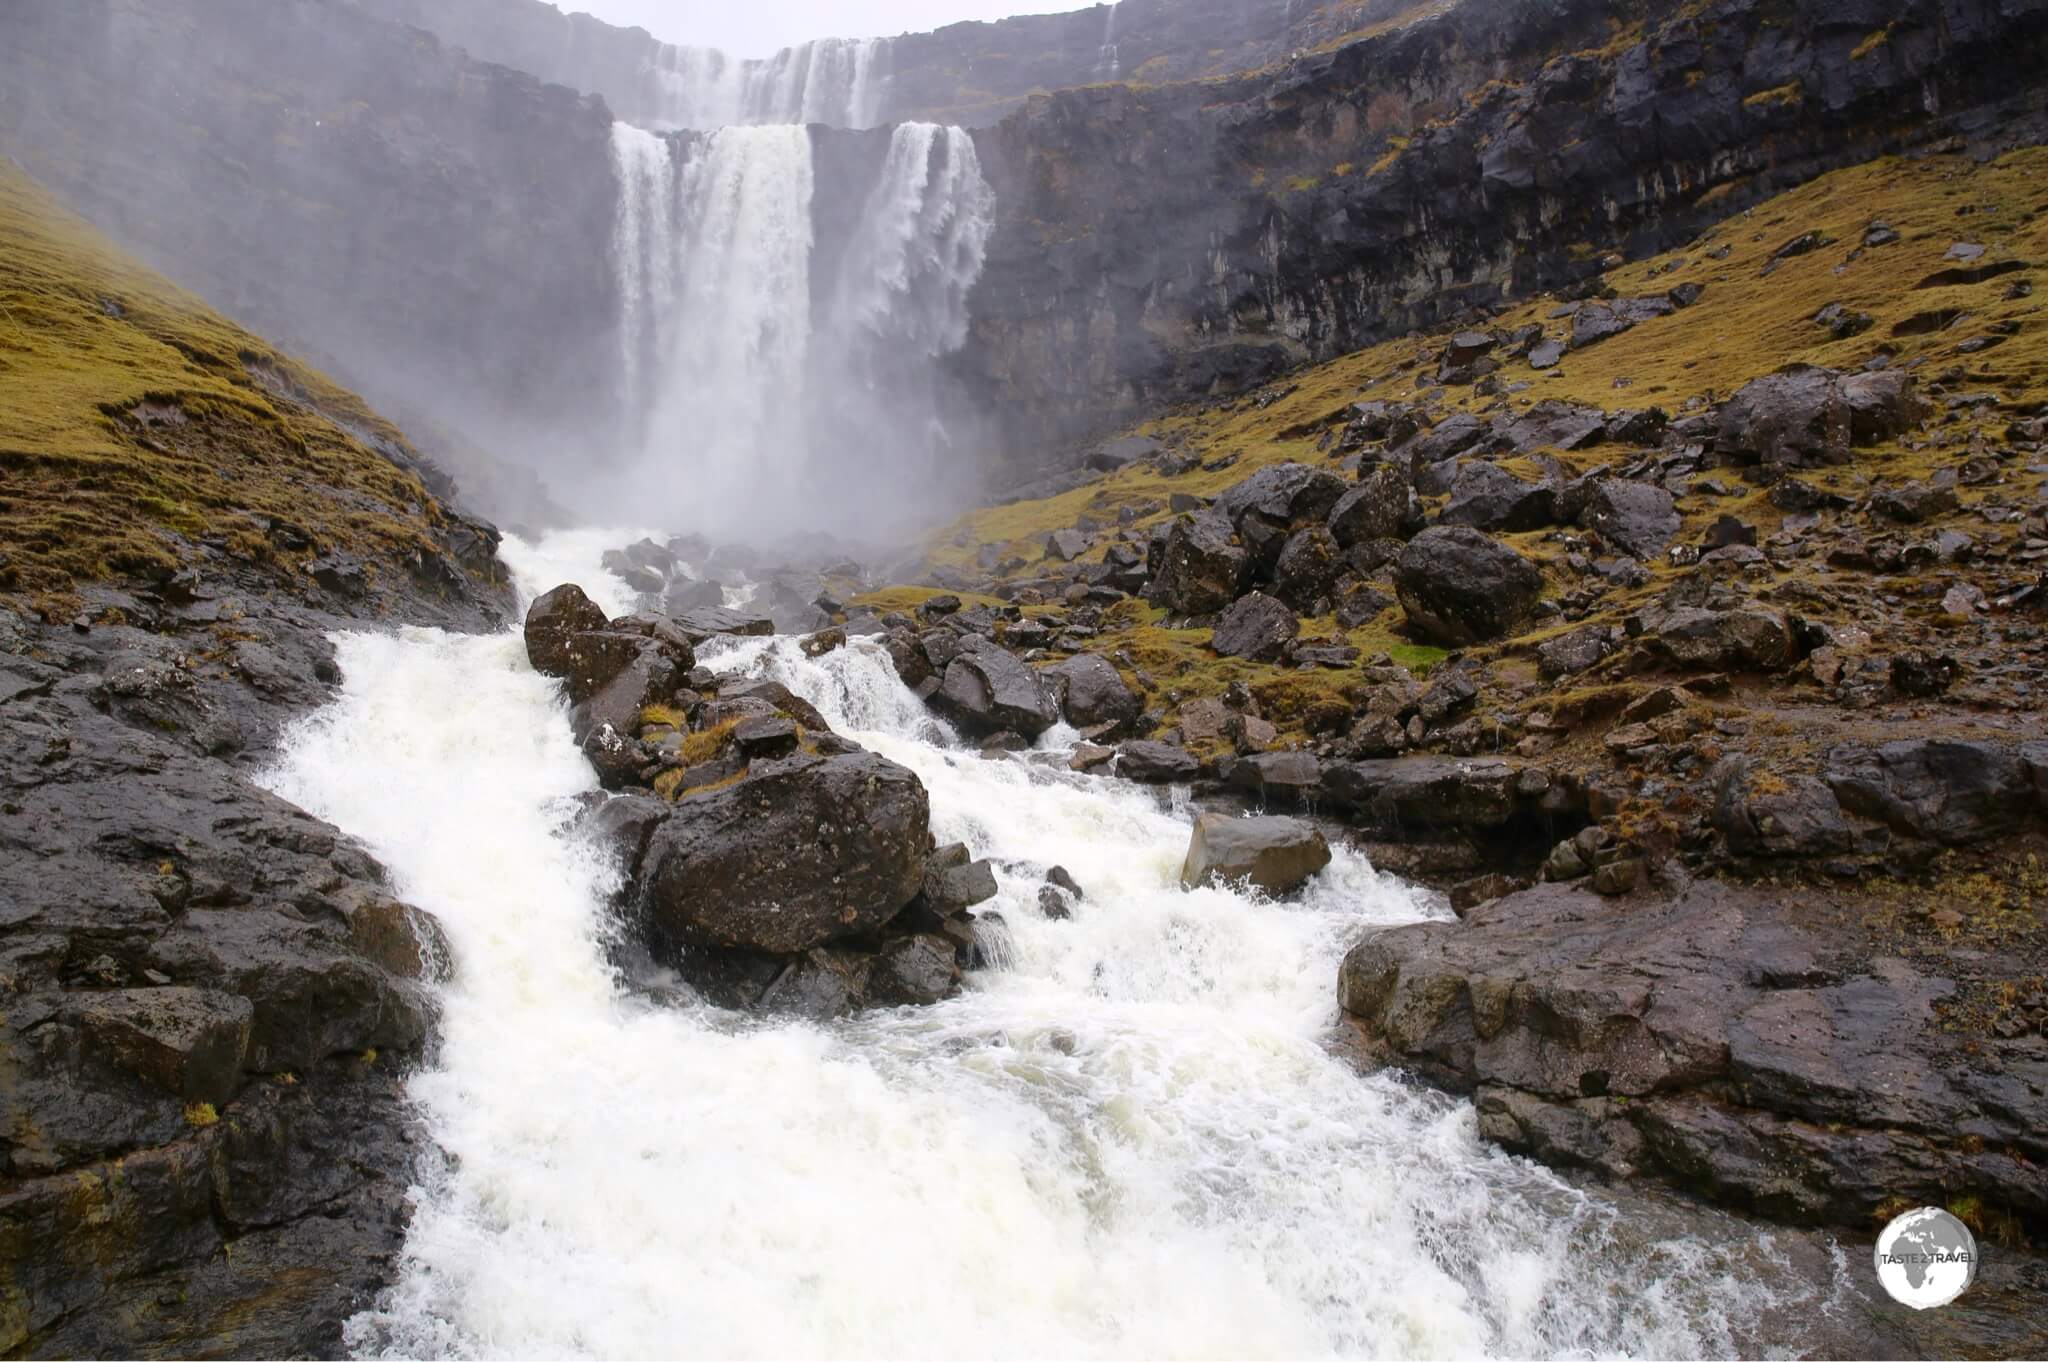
(194, 975)
(1719, 1038)
(802, 852)
(1276, 855)
(1459, 586)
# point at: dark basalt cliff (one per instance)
(1161, 244)
(969, 73)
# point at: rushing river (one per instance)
(1135, 1139)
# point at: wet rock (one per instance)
(1284, 495)
(1359, 604)
(1725, 640)
(1923, 675)
(1280, 777)
(988, 689)
(1572, 653)
(1277, 855)
(1458, 586)
(915, 971)
(1937, 790)
(1308, 568)
(710, 621)
(1381, 506)
(1425, 793)
(1700, 1037)
(1796, 418)
(552, 621)
(1599, 321)
(1551, 425)
(1914, 503)
(1090, 692)
(1200, 569)
(1637, 518)
(950, 889)
(804, 851)
(1156, 763)
(1487, 497)
(1064, 546)
(1763, 813)
(1255, 627)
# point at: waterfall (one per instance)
(834, 81)
(736, 321)
(643, 249)
(1136, 1140)
(918, 248)
(1107, 65)
(742, 379)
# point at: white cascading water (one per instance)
(741, 387)
(1135, 1140)
(918, 248)
(834, 81)
(1107, 64)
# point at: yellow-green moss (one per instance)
(130, 413)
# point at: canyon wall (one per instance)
(1161, 244)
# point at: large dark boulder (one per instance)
(1381, 506)
(1277, 855)
(1745, 640)
(1201, 568)
(1762, 813)
(1285, 494)
(803, 851)
(1638, 518)
(553, 621)
(1255, 627)
(988, 689)
(1091, 692)
(1308, 567)
(1723, 1038)
(1796, 418)
(1882, 405)
(1425, 793)
(1156, 763)
(1487, 497)
(1938, 790)
(1459, 587)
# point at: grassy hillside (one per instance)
(136, 425)
(1981, 334)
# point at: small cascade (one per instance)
(835, 81)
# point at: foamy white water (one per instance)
(1135, 1141)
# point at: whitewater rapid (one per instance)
(1135, 1140)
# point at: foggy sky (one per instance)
(755, 28)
